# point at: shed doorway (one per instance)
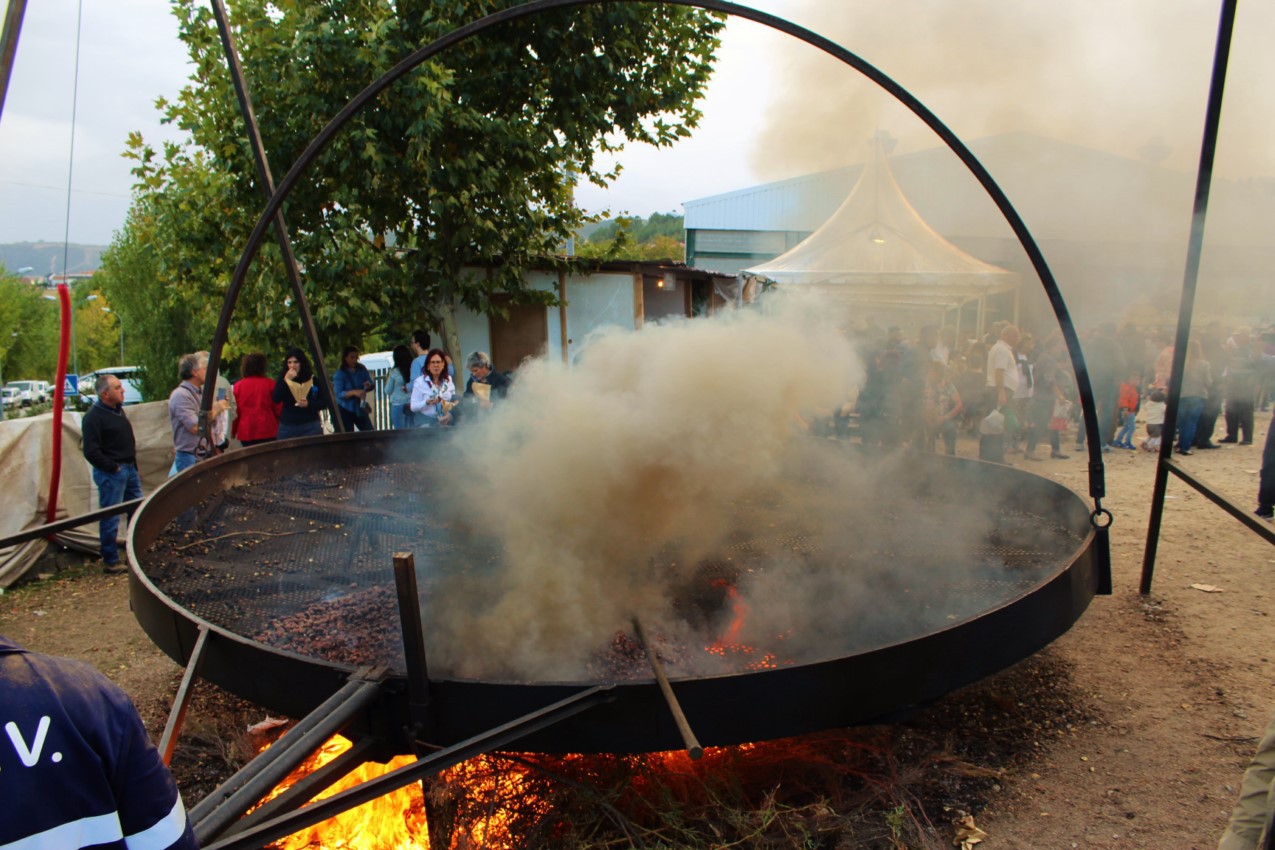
(525, 333)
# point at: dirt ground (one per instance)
(1138, 730)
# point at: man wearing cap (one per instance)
(111, 449)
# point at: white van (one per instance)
(30, 391)
(127, 376)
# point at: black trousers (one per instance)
(1208, 421)
(358, 420)
(1239, 419)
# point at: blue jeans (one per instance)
(359, 419)
(183, 460)
(1189, 409)
(1128, 423)
(400, 416)
(1105, 401)
(113, 488)
(1266, 482)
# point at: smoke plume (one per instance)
(1129, 78)
(664, 461)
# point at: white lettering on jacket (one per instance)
(30, 755)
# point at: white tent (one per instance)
(876, 250)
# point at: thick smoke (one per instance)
(589, 473)
(1129, 78)
(621, 486)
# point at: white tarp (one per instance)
(876, 249)
(26, 455)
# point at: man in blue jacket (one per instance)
(76, 766)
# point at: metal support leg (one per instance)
(177, 716)
(216, 812)
(409, 613)
(494, 739)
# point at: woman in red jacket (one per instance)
(258, 415)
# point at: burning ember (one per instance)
(625, 658)
(729, 646)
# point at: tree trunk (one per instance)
(451, 337)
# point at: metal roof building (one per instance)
(1113, 229)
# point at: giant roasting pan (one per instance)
(283, 553)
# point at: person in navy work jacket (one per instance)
(76, 766)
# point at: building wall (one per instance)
(594, 302)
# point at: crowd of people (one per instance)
(420, 391)
(1011, 392)
(1014, 392)
(931, 386)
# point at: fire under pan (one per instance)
(283, 552)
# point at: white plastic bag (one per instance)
(993, 424)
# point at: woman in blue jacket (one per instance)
(352, 382)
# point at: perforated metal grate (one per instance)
(296, 552)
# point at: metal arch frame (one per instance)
(1097, 487)
(1195, 247)
(281, 235)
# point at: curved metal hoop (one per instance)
(320, 141)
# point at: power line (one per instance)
(70, 167)
(61, 189)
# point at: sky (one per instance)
(1127, 78)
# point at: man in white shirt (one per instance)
(1002, 368)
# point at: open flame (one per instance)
(396, 820)
(504, 801)
(728, 646)
(486, 784)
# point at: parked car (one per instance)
(11, 397)
(33, 392)
(126, 374)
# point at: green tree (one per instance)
(166, 270)
(28, 331)
(97, 338)
(468, 160)
(635, 238)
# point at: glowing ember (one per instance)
(728, 645)
(740, 612)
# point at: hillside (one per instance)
(45, 258)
